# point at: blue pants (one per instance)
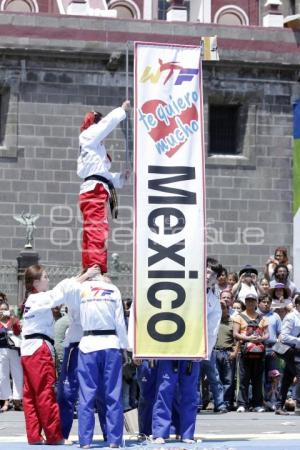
(100, 370)
(67, 389)
(209, 368)
(146, 378)
(226, 371)
(170, 383)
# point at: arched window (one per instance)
(231, 15)
(126, 9)
(24, 6)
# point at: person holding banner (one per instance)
(178, 380)
(93, 166)
(175, 380)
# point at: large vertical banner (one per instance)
(169, 250)
(296, 191)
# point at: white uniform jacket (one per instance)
(98, 304)
(38, 318)
(214, 314)
(93, 158)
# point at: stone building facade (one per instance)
(54, 69)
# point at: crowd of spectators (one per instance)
(244, 373)
(257, 312)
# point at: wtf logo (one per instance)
(170, 69)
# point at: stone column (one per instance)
(273, 15)
(25, 259)
(177, 11)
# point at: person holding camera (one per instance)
(247, 284)
(251, 330)
(10, 363)
(280, 257)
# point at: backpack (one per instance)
(253, 350)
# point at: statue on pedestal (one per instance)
(29, 221)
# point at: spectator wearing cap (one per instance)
(290, 335)
(249, 327)
(226, 352)
(272, 395)
(274, 329)
(247, 283)
(282, 275)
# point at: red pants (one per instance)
(93, 205)
(40, 407)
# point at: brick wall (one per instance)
(251, 8)
(53, 98)
(248, 198)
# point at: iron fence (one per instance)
(9, 281)
(122, 278)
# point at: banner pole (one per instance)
(127, 116)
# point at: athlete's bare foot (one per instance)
(62, 442)
(5, 407)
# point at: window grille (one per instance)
(223, 129)
(163, 6)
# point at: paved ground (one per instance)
(230, 431)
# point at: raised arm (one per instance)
(97, 132)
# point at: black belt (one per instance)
(223, 349)
(98, 332)
(113, 199)
(269, 345)
(39, 336)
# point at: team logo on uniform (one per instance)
(96, 293)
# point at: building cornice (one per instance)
(94, 35)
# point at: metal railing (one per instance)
(9, 281)
(121, 276)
